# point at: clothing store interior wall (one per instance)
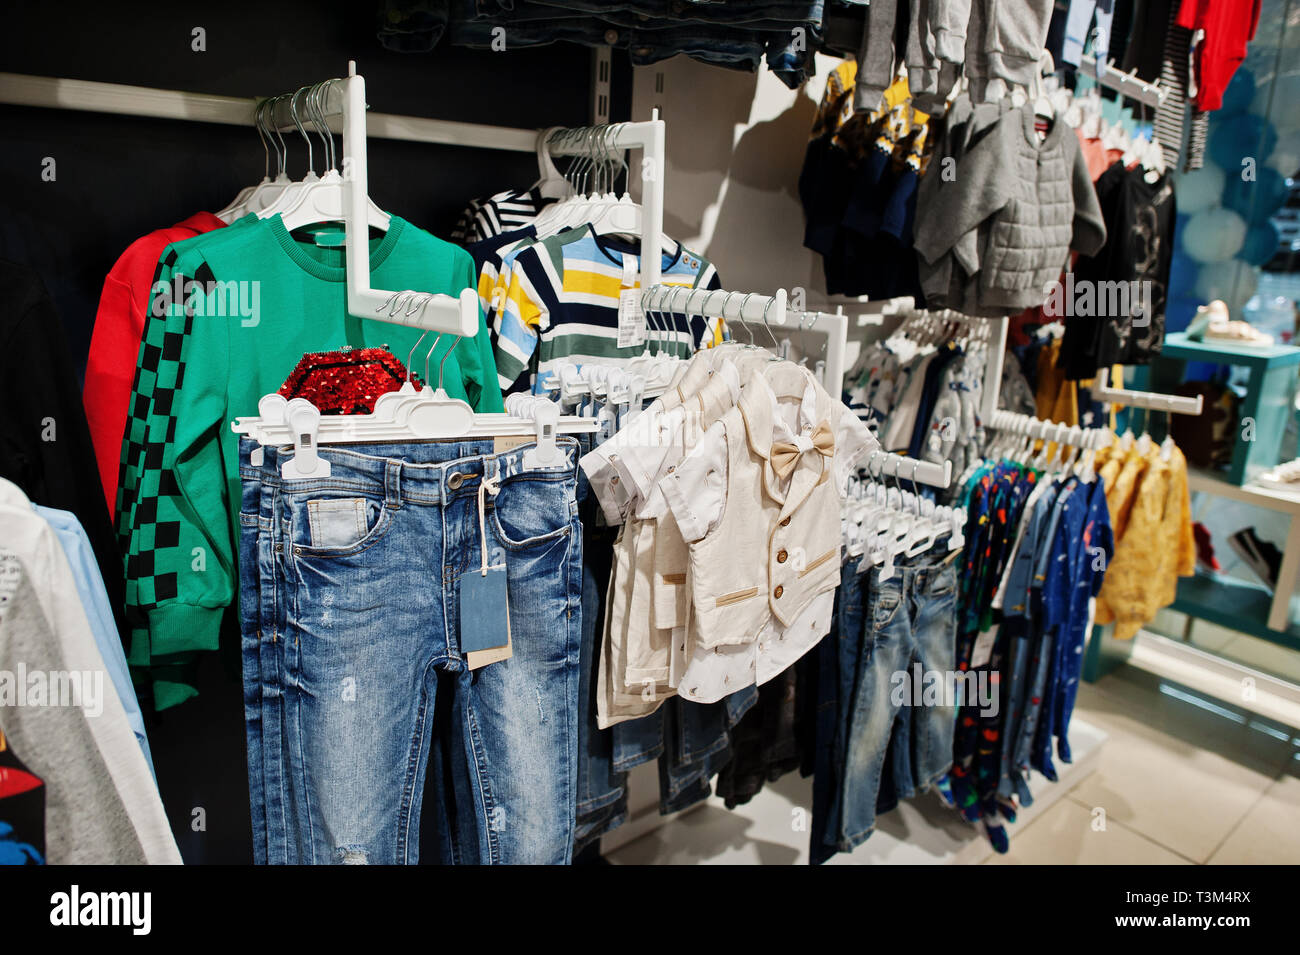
(864, 503)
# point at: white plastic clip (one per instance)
(546, 454)
(304, 419)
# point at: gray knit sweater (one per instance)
(1030, 202)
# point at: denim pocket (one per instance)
(944, 585)
(531, 512)
(886, 607)
(339, 526)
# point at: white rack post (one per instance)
(648, 137)
(444, 314)
(1153, 401)
(835, 327)
(910, 469)
(1127, 84)
(997, 356)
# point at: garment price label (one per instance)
(983, 649)
(631, 321)
(484, 612)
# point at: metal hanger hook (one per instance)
(411, 354)
(428, 355)
(775, 343)
(293, 112)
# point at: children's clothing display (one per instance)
(179, 460)
(446, 548)
(858, 188)
(1154, 544)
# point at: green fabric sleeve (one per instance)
(477, 363)
(180, 558)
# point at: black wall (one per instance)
(119, 177)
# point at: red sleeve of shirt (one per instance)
(115, 342)
(1191, 14)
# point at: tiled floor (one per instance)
(1181, 779)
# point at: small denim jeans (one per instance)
(912, 619)
(367, 565)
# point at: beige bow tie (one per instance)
(785, 454)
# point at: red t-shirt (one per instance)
(115, 342)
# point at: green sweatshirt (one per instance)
(209, 353)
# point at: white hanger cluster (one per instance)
(881, 523)
(404, 415)
(1075, 448)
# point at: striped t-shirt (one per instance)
(561, 304)
(504, 212)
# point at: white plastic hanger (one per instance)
(289, 194)
(550, 184)
(233, 211)
(1042, 102)
(401, 416)
(268, 189)
(325, 199)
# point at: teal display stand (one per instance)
(1104, 653)
(1268, 393)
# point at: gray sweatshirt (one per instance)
(86, 822)
(1004, 39)
(947, 282)
(1031, 202)
(103, 804)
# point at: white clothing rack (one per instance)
(1041, 430)
(49, 92)
(1154, 401)
(872, 311)
(344, 106)
(835, 327)
(909, 469)
(767, 309)
(1127, 84)
(716, 303)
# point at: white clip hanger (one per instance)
(303, 419)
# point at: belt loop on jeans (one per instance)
(392, 483)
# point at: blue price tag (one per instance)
(484, 613)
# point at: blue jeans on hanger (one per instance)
(250, 633)
(912, 621)
(837, 665)
(371, 560)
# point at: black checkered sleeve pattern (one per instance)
(152, 513)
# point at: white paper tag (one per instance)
(983, 648)
(631, 322)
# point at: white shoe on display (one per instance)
(1284, 477)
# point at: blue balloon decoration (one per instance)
(1235, 138)
(1260, 245)
(1256, 201)
(1182, 269)
(1237, 97)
